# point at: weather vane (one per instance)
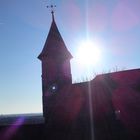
(51, 7)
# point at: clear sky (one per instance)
(24, 25)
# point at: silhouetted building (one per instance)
(105, 108)
(55, 60)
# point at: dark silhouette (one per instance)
(106, 107)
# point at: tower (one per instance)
(55, 59)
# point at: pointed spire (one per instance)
(54, 43)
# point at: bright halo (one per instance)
(88, 53)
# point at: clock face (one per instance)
(53, 88)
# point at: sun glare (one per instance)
(88, 53)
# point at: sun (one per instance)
(88, 53)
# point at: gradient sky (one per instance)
(24, 25)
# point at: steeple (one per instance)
(54, 44)
(55, 58)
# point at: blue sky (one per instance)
(24, 26)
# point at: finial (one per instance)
(52, 10)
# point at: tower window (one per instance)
(53, 88)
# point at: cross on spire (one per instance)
(52, 9)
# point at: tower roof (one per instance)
(54, 45)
